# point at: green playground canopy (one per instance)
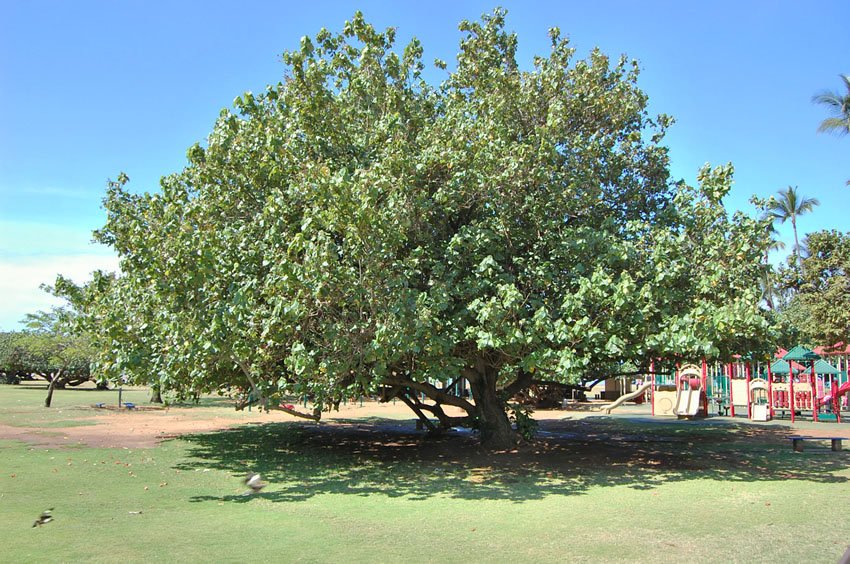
(801, 354)
(784, 367)
(823, 367)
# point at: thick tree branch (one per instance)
(521, 383)
(416, 409)
(432, 392)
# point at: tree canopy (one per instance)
(355, 230)
(820, 302)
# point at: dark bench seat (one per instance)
(797, 441)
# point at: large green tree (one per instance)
(355, 230)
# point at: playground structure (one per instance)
(684, 397)
(796, 383)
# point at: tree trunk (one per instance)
(49, 398)
(156, 394)
(796, 241)
(494, 425)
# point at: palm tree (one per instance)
(775, 244)
(839, 106)
(768, 278)
(791, 205)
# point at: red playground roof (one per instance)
(839, 348)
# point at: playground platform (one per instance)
(643, 413)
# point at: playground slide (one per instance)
(687, 403)
(643, 388)
(826, 400)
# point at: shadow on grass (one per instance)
(374, 456)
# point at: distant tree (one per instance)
(8, 369)
(838, 104)
(46, 348)
(821, 304)
(790, 205)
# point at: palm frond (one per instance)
(828, 99)
(834, 125)
(839, 106)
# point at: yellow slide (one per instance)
(644, 387)
(687, 403)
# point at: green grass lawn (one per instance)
(602, 490)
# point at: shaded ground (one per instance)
(372, 438)
(571, 457)
(391, 423)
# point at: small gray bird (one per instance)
(45, 518)
(252, 480)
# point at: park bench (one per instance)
(797, 441)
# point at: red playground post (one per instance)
(791, 389)
(813, 382)
(652, 374)
(770, 388)
(731, 387)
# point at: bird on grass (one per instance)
(45, 518)
(253, 481)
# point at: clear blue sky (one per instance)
(92, 88)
